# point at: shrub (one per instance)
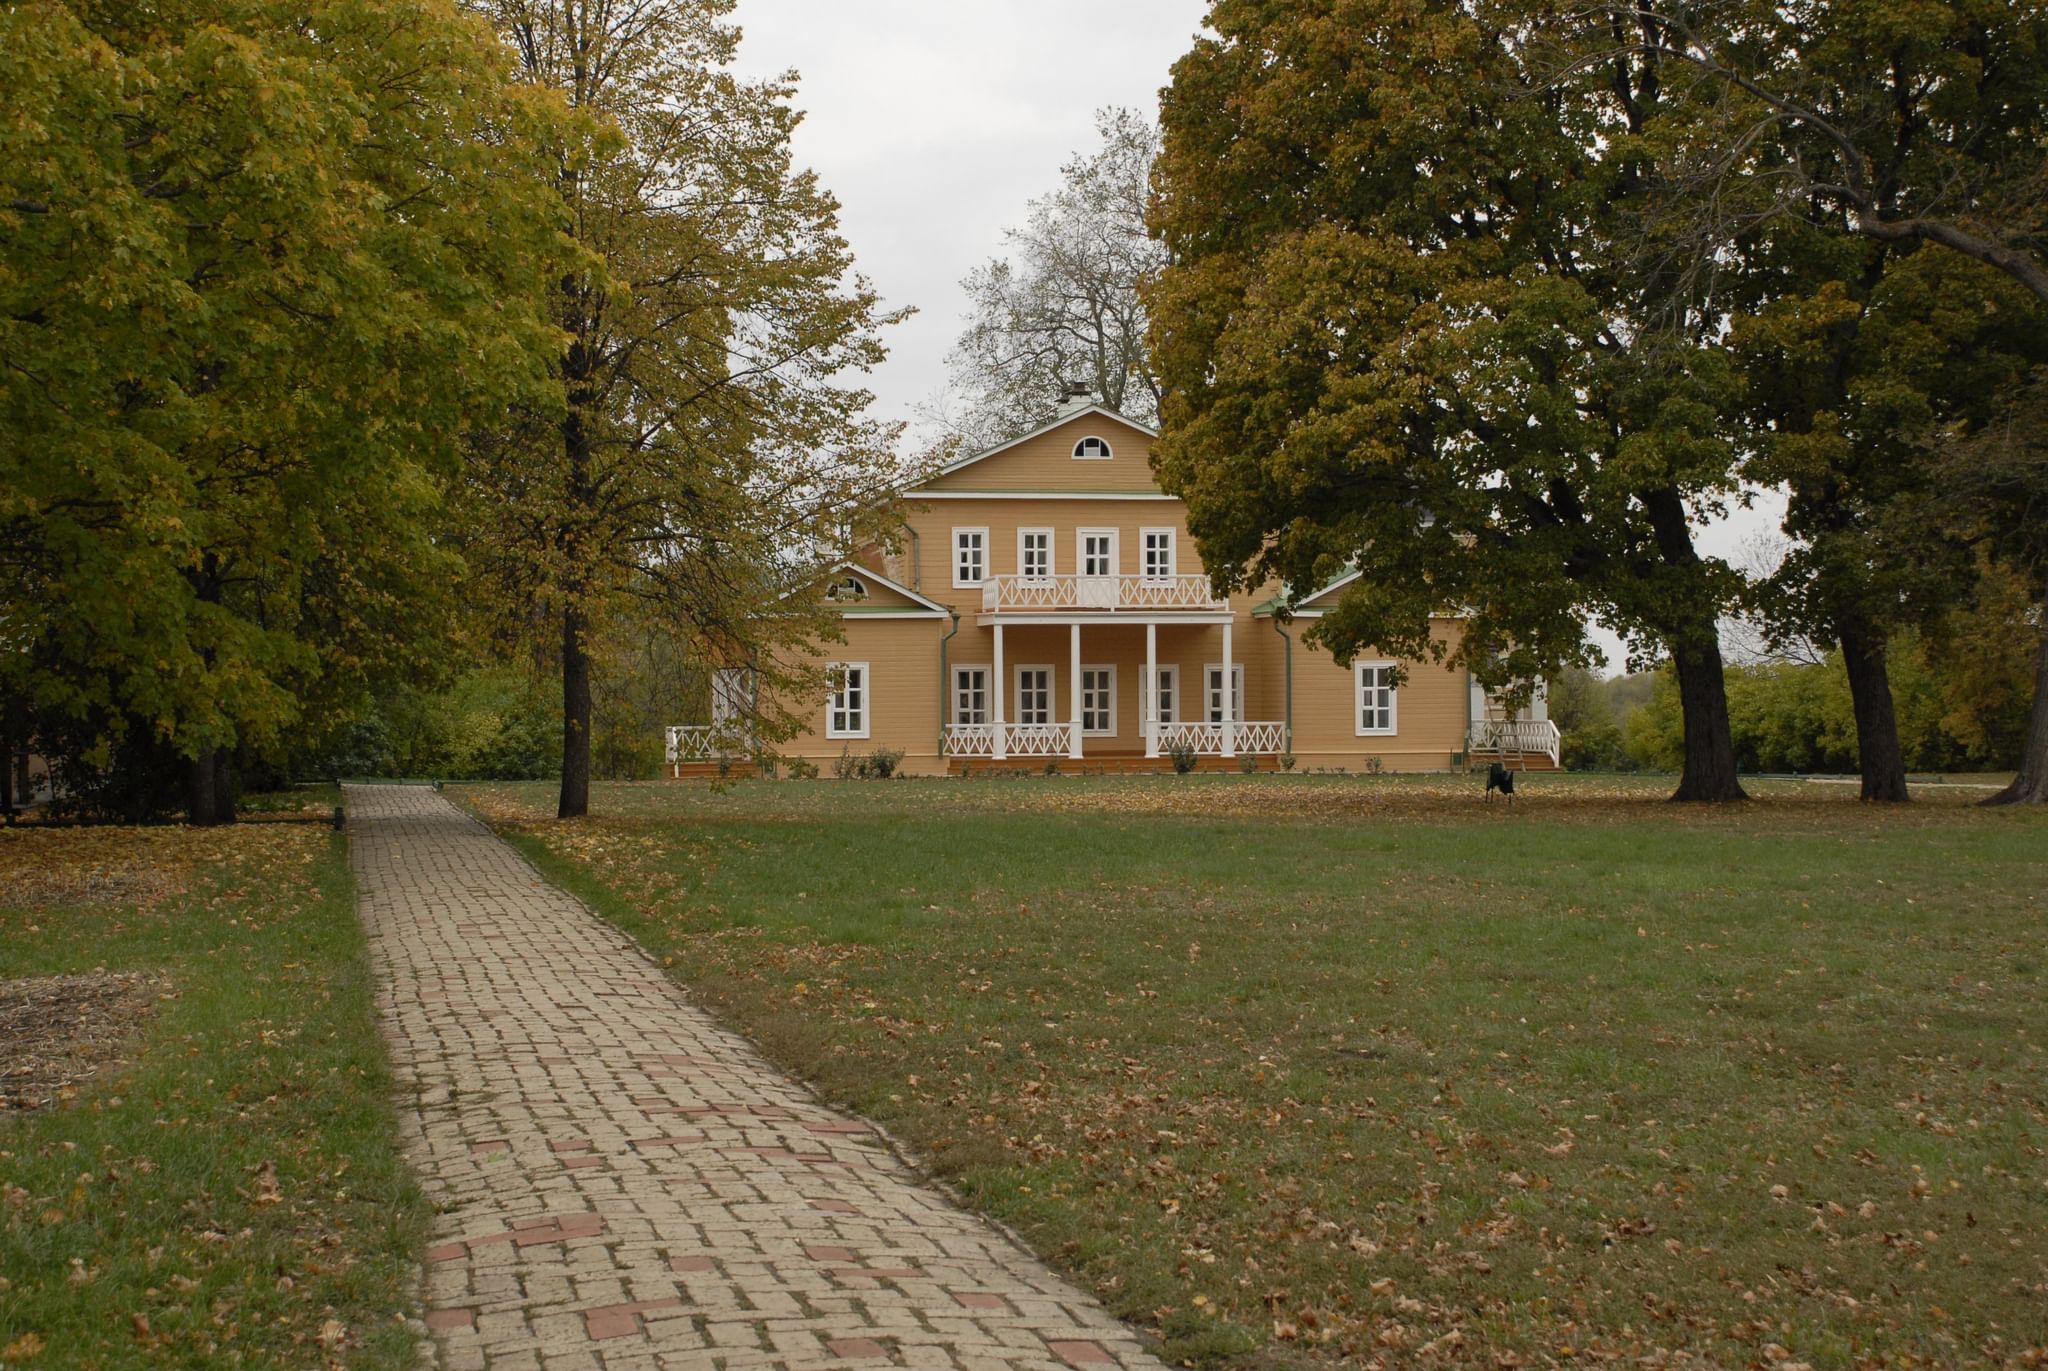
(1052, 766)
(1374, 766)
(1183, 757)
(849, 767)
(884, 763)
(1248, 764)
(1287, 761)
(802, 770)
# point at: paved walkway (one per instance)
(620, 1183)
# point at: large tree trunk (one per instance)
(1709, 742)
(575, 796)
(1877, 725)
(202, 776)
(2031, 785)
(577, 497)
(1709, 774)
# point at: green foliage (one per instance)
(1792, 717)
(1587, 710)
(1403, 328)
(261, 265)
(878, 765)
(1183, 756)
(705, 444)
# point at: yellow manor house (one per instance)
(1047, 604)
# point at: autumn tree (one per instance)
(260, 265)
(706, 446)
(1995, 480)
(1062, 307)
(1867, 352)
(1401, 329)
(1896, 130)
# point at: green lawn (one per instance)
(1329, 1068)
(232, 1197)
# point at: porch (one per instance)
(1518, 744)
(1012, 704)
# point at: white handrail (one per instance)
(1518, 735)
(1112, 593)
(1258, 736)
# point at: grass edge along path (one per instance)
(236, 1195)
(1754, 1137)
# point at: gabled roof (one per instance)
(1066, 415)
(1283, 600)
(926, 606)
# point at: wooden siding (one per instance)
(903, 664)
(1047, 462)
(1429, 710)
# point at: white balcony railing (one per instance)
(1111, 593)
(1492, 737)
(1257, 737)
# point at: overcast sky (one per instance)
(936, 121)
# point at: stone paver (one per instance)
(621, 1183)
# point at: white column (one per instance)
(1074, 691)
(1002, 736)
(1229, 700)
(1149, 696)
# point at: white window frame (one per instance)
(1052, 682)
(1171, 714)
(1145, 537)
(1103, 456)
(960, 536)
(1052, 543)
(987, 681)
(835, 700)
(1393, 702)
(1109, 732)
(1116, 552)
(1209, 706)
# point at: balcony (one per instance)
(1110, 594)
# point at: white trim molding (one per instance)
(1051, 689)
(1166, 535)
(850, 708)
(961, 669)
(1387, 706)
(1209, 671)
(1086, 671)
(1052, 554)
(983, 570)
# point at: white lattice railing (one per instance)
(1028, 593)
(703, 743)
(1495, 736)
(1038, 740)
(1257, 736)
(970, 740)
(1020, 740)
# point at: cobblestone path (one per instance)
(622, 1184)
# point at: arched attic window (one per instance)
(1092, 449)
(847, 588)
